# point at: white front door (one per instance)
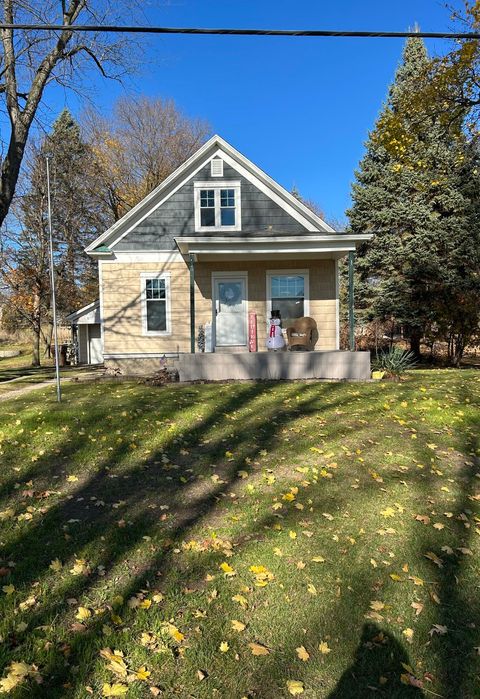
(230, 310)
(95, 343)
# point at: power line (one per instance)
(241, 32)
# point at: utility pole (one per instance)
(52, 278)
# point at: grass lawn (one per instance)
(17, 372)
(250, 540)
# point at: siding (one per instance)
(122, 302)
(175, 217)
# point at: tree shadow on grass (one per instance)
(379, 662)
(48, 538)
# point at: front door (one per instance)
(95, 343)
(230, 311)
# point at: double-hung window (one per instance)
(155, 292)
(288, 293)
(217, 206)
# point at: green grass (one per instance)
(17, 372)
(153, 489)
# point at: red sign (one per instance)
(252, 332)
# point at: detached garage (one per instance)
(87, 334)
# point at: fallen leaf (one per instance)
(302, 653)
(295, 687)
(237, 625)
(258, 649)
(323, 648)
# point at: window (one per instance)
(156, 304)
(287, 292)
(217, 207)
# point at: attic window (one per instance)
(217, 206)
(216, 167)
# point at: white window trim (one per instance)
(217, 186)
(286, 272)
(143, 295)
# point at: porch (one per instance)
(333, 364)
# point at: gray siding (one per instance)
(176, 217)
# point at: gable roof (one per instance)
(215, 146)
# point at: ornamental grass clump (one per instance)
(395, 362)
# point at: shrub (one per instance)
(395, 362)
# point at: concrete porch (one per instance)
(328, 364)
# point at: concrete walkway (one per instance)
(44, 384)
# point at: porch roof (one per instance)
(331, 245)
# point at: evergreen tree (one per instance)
(75, 221)
(418, 194)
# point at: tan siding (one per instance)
(122, 302)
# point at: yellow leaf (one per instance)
(56, 565)
(175, 633)
(388, 512)
(142, 673)
(312, 589)
(9, 682)
(227, 569)
(408, 633)
(415, 580)
(83, 613)
(145, 604)
(292, 534)
(258, 649)
(323, 648)
(397, 578)
(303, 653)
(295, 687)
(224, 647)
(237, 625)
(318, 559)
(377, 605)
(72, 479)
(242, 601)
(114, 690)
(8, 589)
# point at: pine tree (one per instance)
(76, 222)
(76, 218)
(414, 190)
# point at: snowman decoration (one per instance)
(275, 339)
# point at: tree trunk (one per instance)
(36, 330)
(47, 340)
(415, 338)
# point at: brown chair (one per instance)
(302, 335)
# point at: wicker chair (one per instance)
(302, 335)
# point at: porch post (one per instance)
(192, 302)
(351, 315)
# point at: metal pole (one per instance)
(52, 278)
(192, 303)
(351, 313)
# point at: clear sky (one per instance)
(300, 108)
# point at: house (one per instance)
(201, 262)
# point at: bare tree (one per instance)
(138, 147)
(31, 60)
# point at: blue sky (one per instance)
(299, 108)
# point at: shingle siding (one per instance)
(176, 216)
